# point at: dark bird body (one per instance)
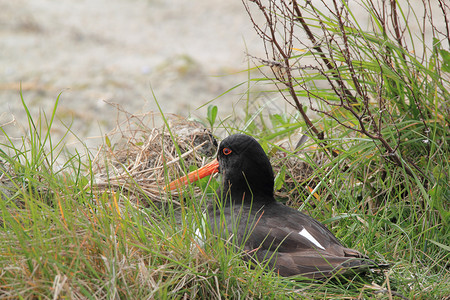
(290, 241)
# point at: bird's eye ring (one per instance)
(226, 151)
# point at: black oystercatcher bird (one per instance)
(290, 241)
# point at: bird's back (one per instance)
(290, 241)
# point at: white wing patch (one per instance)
(310, 238)
(199, 238)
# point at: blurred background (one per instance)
(186, 52)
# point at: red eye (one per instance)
(226, 151)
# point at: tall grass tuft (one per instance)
(381, 96)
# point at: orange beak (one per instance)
(208, 169)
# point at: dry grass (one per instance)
(139, 156)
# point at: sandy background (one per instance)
(188, 51)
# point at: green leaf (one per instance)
(107, 141)
(212, 114)
(445, 60)
(445, 247)
(279, 179)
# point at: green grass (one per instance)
(61, 238)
